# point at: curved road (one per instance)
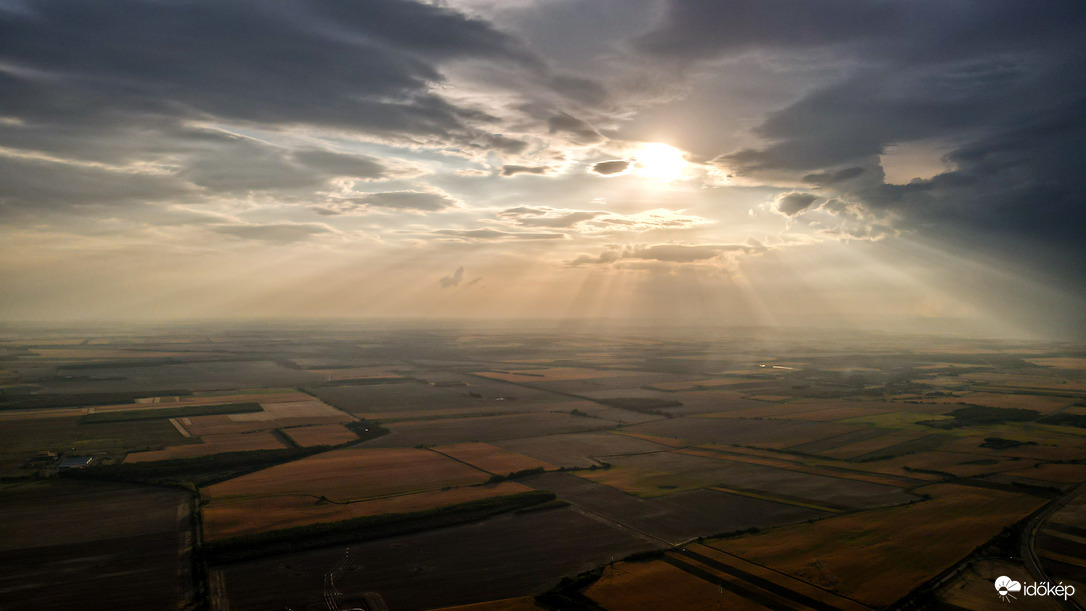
(1029, 553)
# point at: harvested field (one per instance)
(56, 537)
(673, 518)
(348, 475)
(492, 458)
(321, 435)
(212, 444)
(442, 432)
(511, 556)
(655, 585)
(649, 475)
(234, 517)
(579, 449)
(777, 434)
(877, 557)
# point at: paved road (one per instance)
(1029, 552)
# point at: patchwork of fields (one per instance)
(478, 471)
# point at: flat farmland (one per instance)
(649, 475)
(579, 449)
(365, 399)
(494, 428)
(1046, 444)
(492, 458)
(655, 585)
(321, 434)
(212, 444)
(243, 516)
(560, 374)
(1040, 403)
(956, 463)
(972, 589)
(350, 474)
(876, 557)
(1059, 473)
(873, 446)
(776, 434)
(22, 439)
(821, 446)
(56, 539)
(503, 557)
(196, 376)
(673, 518)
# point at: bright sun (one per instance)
(659, 161)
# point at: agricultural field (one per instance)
(500, 558)
(95, 546)
(580, 449)
(438, 468)
(662, 473)
(491, 458)
(1061, 543)
(490, 428)
(676, 517)
(320, 435)
(873, 557)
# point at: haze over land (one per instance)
(893, 165)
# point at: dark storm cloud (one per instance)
(144, 81)
(360, 65)
(608, 168)
(1000, 84)
(791, 204)
(829, 178)
(40, 186)
(513, 170)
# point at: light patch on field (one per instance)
(896, 420)
(351, 475)
(655, 585)
(877, 557)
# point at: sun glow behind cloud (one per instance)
(659, 161)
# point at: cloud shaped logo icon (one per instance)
(1005, 585)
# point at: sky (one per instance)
(905, 165)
